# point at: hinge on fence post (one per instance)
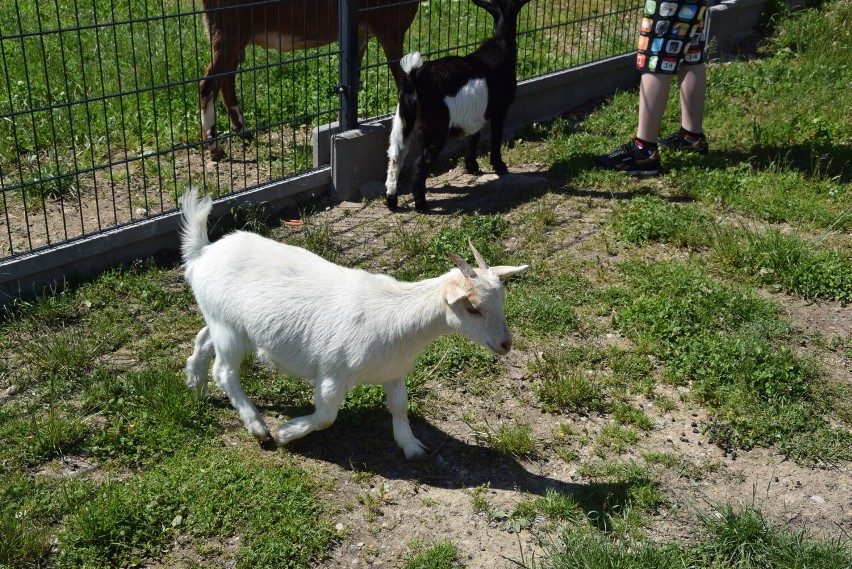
(349, 63)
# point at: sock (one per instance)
(644, 145)
(690, 136)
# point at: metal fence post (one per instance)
(349, 64)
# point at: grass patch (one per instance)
(730, 346)
(647, 219)
(790, 262)
(441, 555)
(513, 438)
(730, 539)
(200, 491)
(428, 258)
(565, 385)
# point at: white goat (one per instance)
(336, 326)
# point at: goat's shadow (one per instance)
(362, 441)
(491, 194)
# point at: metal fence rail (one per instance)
(99, 103)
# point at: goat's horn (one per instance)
(466, 269)
(479, 260)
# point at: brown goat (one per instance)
(286, 25)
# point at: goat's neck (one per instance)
(415, 314)
(506, 32)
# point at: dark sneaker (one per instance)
(677, 141)
(631, 160)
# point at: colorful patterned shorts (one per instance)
(671, 33)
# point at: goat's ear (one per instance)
(454, 292)
(504, 272)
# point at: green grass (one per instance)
(684, 296)
(442, 555)
(730, 539)
(732, 348)
(794, 264)
(512, 438)
(565, 384)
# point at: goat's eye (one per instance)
(473, 310)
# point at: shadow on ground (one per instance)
(362, 441)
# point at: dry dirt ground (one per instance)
(381, 504)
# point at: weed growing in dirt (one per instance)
(441, 555)
(565, 384)
(512, 438)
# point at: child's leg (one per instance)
(653, 95)
(693, 88)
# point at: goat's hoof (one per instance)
(392, 202)
(472, 169)
(268, 444)
(500, 168)
(419, 456)
(216, 154)
(421, 206)
(247, 135)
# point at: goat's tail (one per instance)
(411, 62)
(193, 226)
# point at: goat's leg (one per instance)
(329, 397)
(207, 89)
(471, 166)
(497, 122)
(226, 372)
(397, 399)
(198, 364)
(229, 99)
(431, 151)
(397, 150)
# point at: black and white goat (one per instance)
(455, 96)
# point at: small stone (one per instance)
(141, 211)
(660, 424)
(339, 527)
(818, 499)
(12, 390)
